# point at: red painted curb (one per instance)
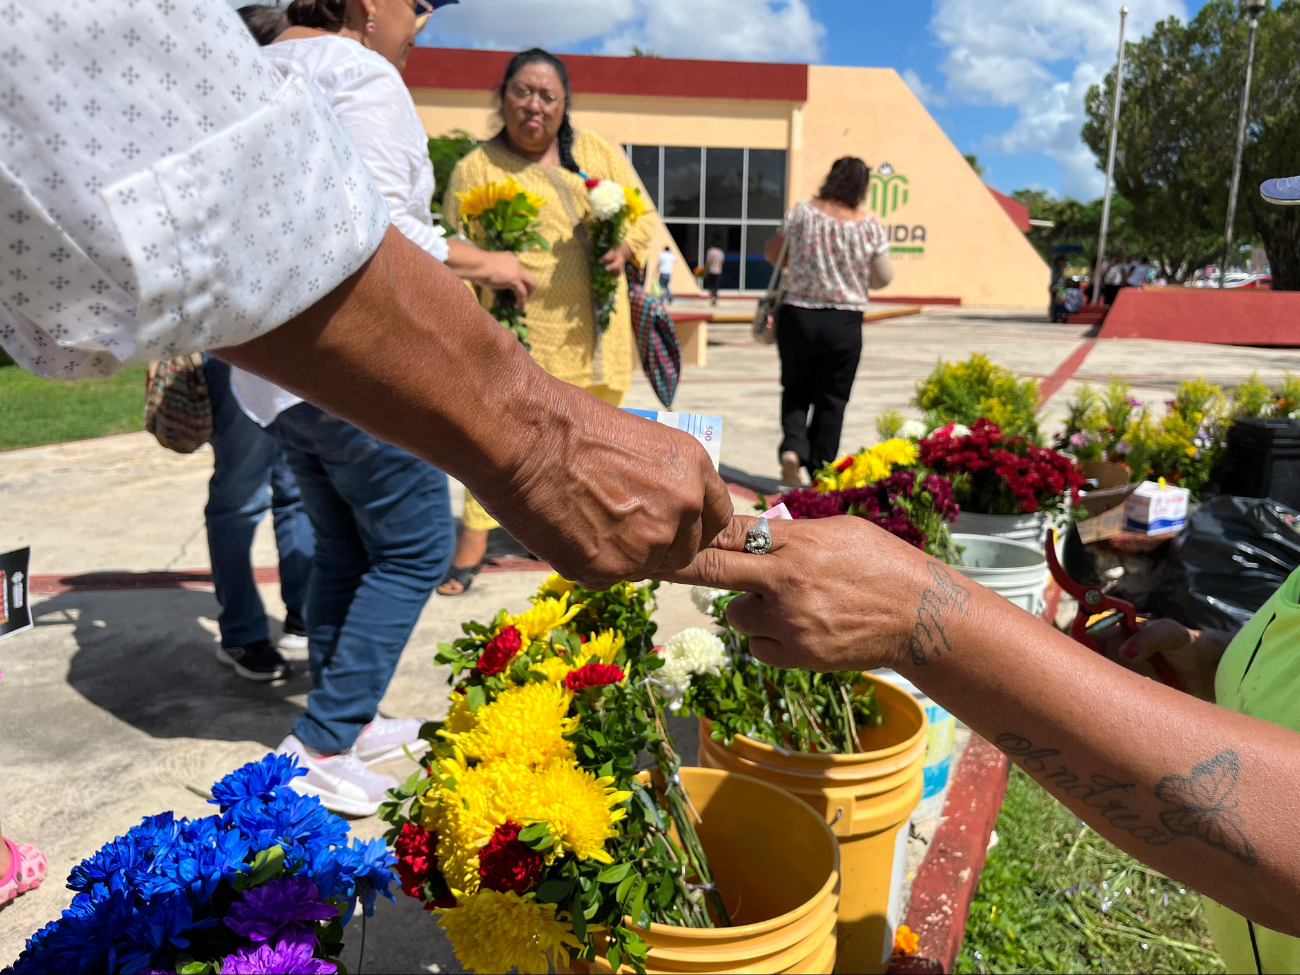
(946, 880)
(1053, 383)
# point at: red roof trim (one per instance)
(1018, 212)
(464, 69)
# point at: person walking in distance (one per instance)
(714, 258)
(667, 261)
(837, 252)
(1113, 280)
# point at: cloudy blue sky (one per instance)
(1005, 78)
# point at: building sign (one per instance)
(889, 192)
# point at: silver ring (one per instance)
(759, 539)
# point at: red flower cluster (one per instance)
(508, 863)
(592, 183)
(884, 503)
(1001, 475)
(500, 651)
(593, 675)
(417, 864)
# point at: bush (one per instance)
(444, 152)
(966, 391)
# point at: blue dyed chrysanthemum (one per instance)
(256, 780)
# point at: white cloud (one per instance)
(924, 92)
(755, 30)
(1040, 60)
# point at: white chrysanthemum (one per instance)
(606, 200)
(913, 430)
(692, 651)
(960, 430)
(703, 597)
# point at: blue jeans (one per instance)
(249, 476)
(665, 280)
(384, 538)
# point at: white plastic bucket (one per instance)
(938, 747)
(1015, 570)
(1021, 528)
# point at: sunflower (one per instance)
(545, 616)
(485, 196)
(525, 725)
(493, 931)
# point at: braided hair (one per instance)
(564, 138)
(321, 14)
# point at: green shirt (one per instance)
(1260, 676)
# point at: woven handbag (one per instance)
(656, 338)
(177, 406)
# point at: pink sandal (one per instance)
(26, 870)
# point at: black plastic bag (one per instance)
(1237, 552)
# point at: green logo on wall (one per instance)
(889, 191)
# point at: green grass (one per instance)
(37, 411)
(1056, 897)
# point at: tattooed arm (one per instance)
(1200, 793)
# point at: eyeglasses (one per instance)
(523, 93)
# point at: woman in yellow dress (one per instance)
(540, 150)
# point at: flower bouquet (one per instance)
(993, 473)
(266, 886)
(529, 829)
(503, 217)
(1096, 425)
(967, 391)
(613, 208)
(1186, 445)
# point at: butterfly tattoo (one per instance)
(1206, 808)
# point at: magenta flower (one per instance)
(293, 952)
(262, 912)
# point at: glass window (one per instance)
(724, 182)
(681, 182)
(645, 160)
(687, 238)
(758, 273)
(766, 184)
(726, 236)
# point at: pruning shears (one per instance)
(1092, 602)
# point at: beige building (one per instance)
(723, 148)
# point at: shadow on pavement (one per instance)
(144, 657)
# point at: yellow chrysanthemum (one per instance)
(577, 806)
(464, 815)
(868, 466)
(545, 616)
(555, 669)
(459, 717)
(555, 587)
(487, 195)
(635, 205)
(602, 648)
(493, 931)
(525, 724)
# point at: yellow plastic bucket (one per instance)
(866, 798)
(776, 865)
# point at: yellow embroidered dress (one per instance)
(566, 340)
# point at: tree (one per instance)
(1177, 133)
(444, 152)
(1075, 223)
(643, 52)
(974, 162)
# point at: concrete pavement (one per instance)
(113, 706)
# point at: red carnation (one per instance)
(844, 465)
(416, 848)
(500, 651)
(507, 863)
(593, 675)
(592, 183)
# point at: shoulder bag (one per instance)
(764, 327)
(177, 406)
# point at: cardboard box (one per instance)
(1106, 525)
(1156, 510)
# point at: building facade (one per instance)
(723, 148)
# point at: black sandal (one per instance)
(462, 574)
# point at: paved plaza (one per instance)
(114, 707)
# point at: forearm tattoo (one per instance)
(1204, 804)
(946, 593)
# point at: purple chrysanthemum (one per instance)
(263, 911)
(293, 952)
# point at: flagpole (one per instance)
(1110, 161)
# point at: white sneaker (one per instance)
(340, 782)
(292, 637)
(386, 738)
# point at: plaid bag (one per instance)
(177, 407)
(656, 338)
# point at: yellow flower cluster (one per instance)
(547, 614)
(495, 932)
(485, 196)
(867, 466)
(635, 205)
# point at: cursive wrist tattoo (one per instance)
(947, 591)
(1204, 806)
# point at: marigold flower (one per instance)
(501, 649)
(494, 931)
(593, 675)
(508, 863)
(906, 941)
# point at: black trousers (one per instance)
(820, 349)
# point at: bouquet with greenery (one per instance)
(613, 208)
(528, 828)
(1186, 445)
(964, 392)
(1097, 424)
(714, 675)
(503, 217)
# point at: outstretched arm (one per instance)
(404, 351)
(1202, 794)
